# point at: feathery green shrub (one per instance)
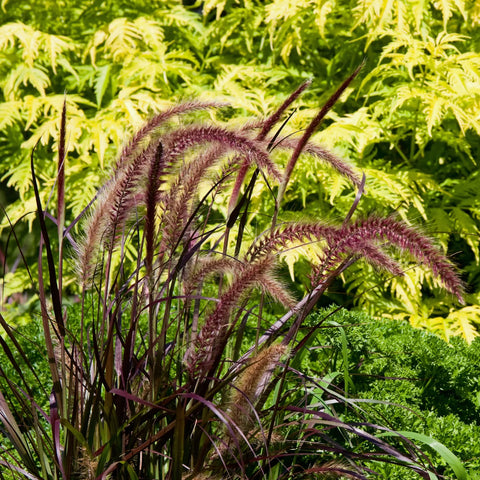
(417, 381)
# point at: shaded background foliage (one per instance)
(410, 122)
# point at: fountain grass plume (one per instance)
(390, 231)
(209, 344)
(252, 150)
(366, 239)
(252, 382)
(141, 138)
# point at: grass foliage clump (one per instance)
(176, 363)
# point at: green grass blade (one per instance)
(441, 449)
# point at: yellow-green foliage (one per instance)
(410, 123)
(411, 126)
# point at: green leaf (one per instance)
(101, 82)
(441, 449)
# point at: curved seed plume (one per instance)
(340, 165)
(118, 199)
(410, 240)
(253, 151)
(362, 239)
(252, 382)
(153, 184)
(206, 267)
(132, 148)
(178, 200)
(206, 348)
(358, 247)
(297, 232)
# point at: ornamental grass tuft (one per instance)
(175, 363)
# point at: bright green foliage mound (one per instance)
(410, 123)
(435, 385)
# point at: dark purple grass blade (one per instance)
(54, 292)
(66, 231)
(49, 344)
(206, 447)
(329, 420)
(136, 399)
(81, 214)
(272, 144)
(55, 424)
(236, 211)
(21, 471)
(137, 450)
(178, 442)
(228, 422)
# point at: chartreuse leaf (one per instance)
(101, 82)
(463, 322)
(467, 225)
(441, 449)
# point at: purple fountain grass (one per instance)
(252, 382)
(362, 239)
(114, 206)
(411, 241)
(154, 180)
(178, 201)
(118, 199)
(317, 151)
(307, 135)
(273, 119)
(282, 236)
(164, 343)
(266, 126)
(353, 248)
(205, 267)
